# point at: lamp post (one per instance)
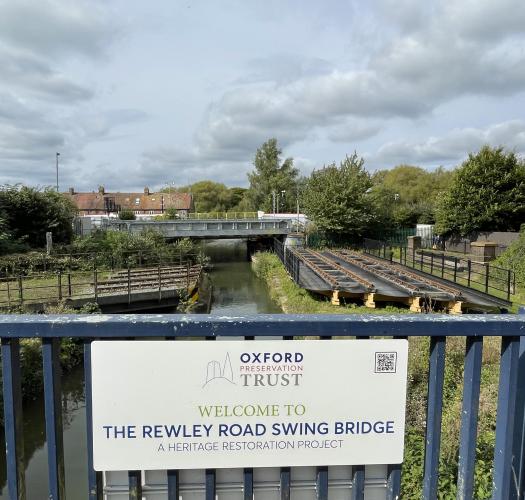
(283, 192)
(57, 155)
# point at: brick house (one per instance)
(146, 203)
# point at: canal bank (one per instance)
(235, 291)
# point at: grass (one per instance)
(295, 300)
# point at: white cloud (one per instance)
(452, 148)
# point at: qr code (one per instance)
(386, 362)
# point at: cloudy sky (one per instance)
(135, 93)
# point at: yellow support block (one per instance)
(369, 300)
(455, 307)
(415, 304)
(335, 298)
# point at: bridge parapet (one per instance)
(509, 458)
(210, 228)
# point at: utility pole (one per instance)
(273, 201)
(57, 155)
(283, 192)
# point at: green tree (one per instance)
(209, 196)
(487, 193)
(337, 198)
(29, 213)
(272, 176)
(407, 194)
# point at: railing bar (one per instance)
(248, 471)
(469, 417)
(321, 483)
(135, 484)
(358, 482)
(519, 441)
(53, 413)
(210, 475)
(94, 477)
(13, 418)
(393, 485)
(322, 471)
(173, 484)
(358, 471)
(436, 377)
(247, 484)
(503, 480)
(210, 484)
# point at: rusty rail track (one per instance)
(397, 275)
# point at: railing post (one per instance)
(59, 284)
(469, 417)
(13, 420)
(53, 411)
(20, 289)
(486, 277)
(442, 265)
(455, 269)
(69, 288)
(469, 268)
(431, 263)
(129, 285)
(436, 376)
(95, 283)
(509, 274)
(135, 484)
(519, 423)
(504, 479)
(8, 292)
(94, 477)
(160, 284)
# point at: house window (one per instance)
(137, 201)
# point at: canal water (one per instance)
(236, 291)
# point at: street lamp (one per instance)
(57, 155)
(283, 192)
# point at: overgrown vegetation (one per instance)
(293, 299)
(105, 249)
(514, 258)
(26, 214)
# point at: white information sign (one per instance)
(197, 404)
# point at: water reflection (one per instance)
(35, 450)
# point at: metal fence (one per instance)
(481, 276)
(101, 280)
(508, 459)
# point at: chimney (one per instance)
(71, 190)
(101, 190)
(146, 191)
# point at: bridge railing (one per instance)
(508, 459)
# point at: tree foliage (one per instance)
(487, 193)
(29, 213)
(337, 198)
(272, 176)
(407, 195)
(209, 196)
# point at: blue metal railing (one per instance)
(509, 452)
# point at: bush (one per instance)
(28, 213)
(126, 214)
(514, 258)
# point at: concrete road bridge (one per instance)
(210, 229)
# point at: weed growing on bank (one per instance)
(293, 299)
